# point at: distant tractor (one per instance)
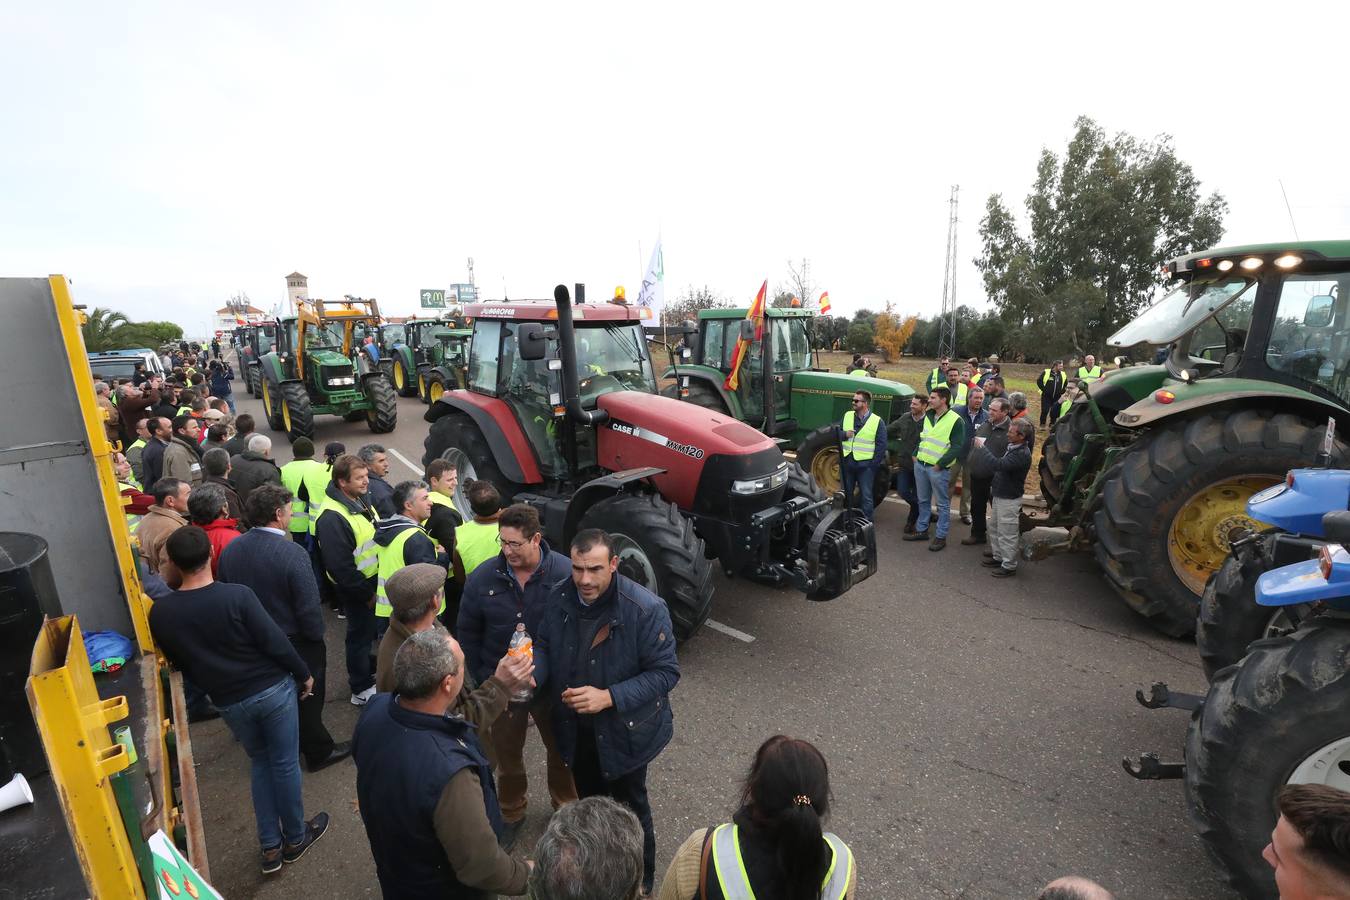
(427, 357)
(1154, 466)
(316, 367)
(256, 341)
(781, 393)
(561, 411)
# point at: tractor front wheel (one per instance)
(1276, 718)
(1177, 499)
(1064, 442)
(272, 405)
(405, 385)
(253, 380)
(296, 413)
(658, 549)
(435, 386)
(1230, 618)
(383, 414)
(456, 439)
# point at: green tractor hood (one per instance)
(1187, 397)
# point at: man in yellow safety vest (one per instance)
(345, 531)
(862, 439)
(940, 442)
(307, 480)
(958, 388)
(476, 541)
(1089, 371)
(402, 541)
(938, 376)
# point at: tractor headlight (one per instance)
(348, 381)
(761, 485)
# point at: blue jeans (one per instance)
(863, 476)
(931, 482)
(906, 487)
(268, 726)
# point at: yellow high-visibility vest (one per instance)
(476, 543)
(935, 439)
(1089, 375)
(314, 475)
(391, 560)
(366, 553)
(863, 445)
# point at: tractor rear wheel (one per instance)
(456, 439)
(1276, 718)
(658, 549)
(253, 380)
(1177, 499)
(700, 394)
(406, 386)
(1230, 618)
(296, 414)
(818, 455)
(435, 386)
(383, 414)
(272, 405)
(1061, 446)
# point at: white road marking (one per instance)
(729, 631)
(403, 459)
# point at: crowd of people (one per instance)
(243, 556)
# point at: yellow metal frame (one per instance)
(73, 339)
(316, 313)
(74, 722)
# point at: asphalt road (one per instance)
(974, 727)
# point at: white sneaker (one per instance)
(361, 698)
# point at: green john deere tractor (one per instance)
(317, 367)
(428, 358)
(1153, 466)
(781, 393)
(255, 342)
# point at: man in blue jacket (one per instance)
(605, 657)
(509, 589)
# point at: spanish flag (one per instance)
(756, 315)
(824, 303)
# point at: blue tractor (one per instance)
(1277, 717)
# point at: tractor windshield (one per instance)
(613, 357)
(326, 336)
(393, 334)
(1180, 311)
(791, 346)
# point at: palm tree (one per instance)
(100, 327)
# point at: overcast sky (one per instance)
(166, 155)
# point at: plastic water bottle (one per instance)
(521, 645)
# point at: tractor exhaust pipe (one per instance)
(567, 349)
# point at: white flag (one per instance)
(653, 293)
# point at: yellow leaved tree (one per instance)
(893, 332)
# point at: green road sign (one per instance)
(433, 299)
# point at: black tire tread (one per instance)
(295, 397)
(381, 393)
(1064, 443)
(409, 378)
(683, 574)
(459, 431)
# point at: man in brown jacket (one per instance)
(415, 593)
(183, 457)
(162, 520)
(423, 786)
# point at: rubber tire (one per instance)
(434, 378)
(383, 418)
(409, 383)
(459, 431)
(296, 398)
(1230, 618)
(253, 381)
(274, 419)
(421, 385)
(1260, 719)
(1064, 443)
(700, 394)
(1163, 470)
(823, 437)
(674, 551)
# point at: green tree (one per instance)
(100, 327)
(144, 334)
(861, 338)
(689, 302)
(1102, 218)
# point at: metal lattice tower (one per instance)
(947, 323)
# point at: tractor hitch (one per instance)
(1160, 697)
(1150, 767)
(841, 550)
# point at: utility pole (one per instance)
(947, 323)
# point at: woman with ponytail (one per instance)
(774, 847)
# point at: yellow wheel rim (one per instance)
(399, 379)
(267, 399)
(286, 416)
(422, 385)
(825, 470)
(437, 389)
(1207, 524)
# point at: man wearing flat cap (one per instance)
(415, 594)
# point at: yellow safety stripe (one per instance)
(935, 438)
(862, 446)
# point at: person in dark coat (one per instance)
(278, 571)
(353, 584)
(253, 467)
(381, 495)
(995, 434)
(1009, 476)
(243, 430)
(1052, 383)
(605, 658)
(513, 588)
(906, 430)
(152, 457)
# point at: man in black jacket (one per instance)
(906, 430)
(345, 531)
(278, 570)
(995, 434)
(381, 495)
(1010, 475)
(1051, 383)
(152, 457)
(253, 467)
(224, 642)
(243, 430)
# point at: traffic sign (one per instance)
(465, 293)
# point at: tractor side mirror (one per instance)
(1319, 311)
(691, 337)
(747, 332)
(532, 340)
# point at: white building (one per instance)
(297, 288)
(230, 317)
